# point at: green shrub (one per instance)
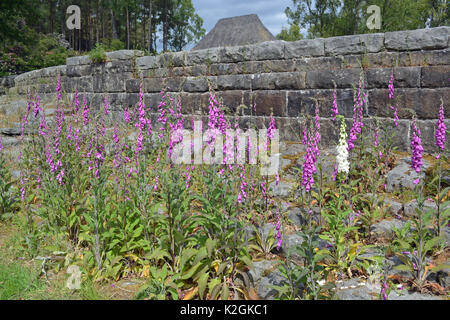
(98, 54)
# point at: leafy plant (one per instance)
(98, 54)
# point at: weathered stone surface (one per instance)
(393, 207)
(269, 50)
(304, 48)
(354, 44)
(80, 60)
(410, 207)
(425, 102)
(124, 54)
(304, 102)
(282, 80)
(264, 289)
(407, 77)
(207, 56)
(403, 176)
(225, 69)
(147, 62)
(356, 289)
(132, 85)
(153, 85)
(438, 76)
(384, 227)
(435, 38)
(235, 53)
(172, 59)
(283, 189)
(267, 101)
(233, 82)
(196, 85)
(323, 79)
(233, 99)
(260, 268)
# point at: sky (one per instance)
(270, 12)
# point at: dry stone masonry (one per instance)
(285, 78)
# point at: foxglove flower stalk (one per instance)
(440, 130)
(85, 112)
(278, 229)
(126, 116)
(1, 146)
(270, 131)
(334, 109)
(416, 149)
(106, 106)
(58, 87)
(36, 106)
(342, 150)
(309, 167)
(391, 97)
(43, 124)
(391, 87)
(76, 101)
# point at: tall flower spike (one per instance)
(440, 130)
(334, 108)
(416, 149)
(342, 150)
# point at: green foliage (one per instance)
(98, 54)
(293, 33)
(414, 248)
(328, 18)
(16, 281)
(6, 195)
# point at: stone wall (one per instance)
(285, 78)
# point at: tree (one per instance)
(186, 25)
(326, 18)
(290, 34)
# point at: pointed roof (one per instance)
(235, 31)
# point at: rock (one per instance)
(304, 48)
(393, 207)
(403, 176)
(354, 44)
(147, 62)
(435, 38)
(195, 85)
(282, 190)
(291, 148)
(233, 82)
(260, 268)
(410, 207)
(384, 227)
(264, 289)
(356, 289)
(80, 60)
(124, 54)
(269, 50)
(291, 241)
(441, 277)
(295, 216)
(405, 295)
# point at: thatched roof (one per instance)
(235, 31)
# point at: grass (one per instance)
(21, 277)
(16, 281)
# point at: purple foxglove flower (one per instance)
(440, 130)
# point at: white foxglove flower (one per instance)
(342, 150)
